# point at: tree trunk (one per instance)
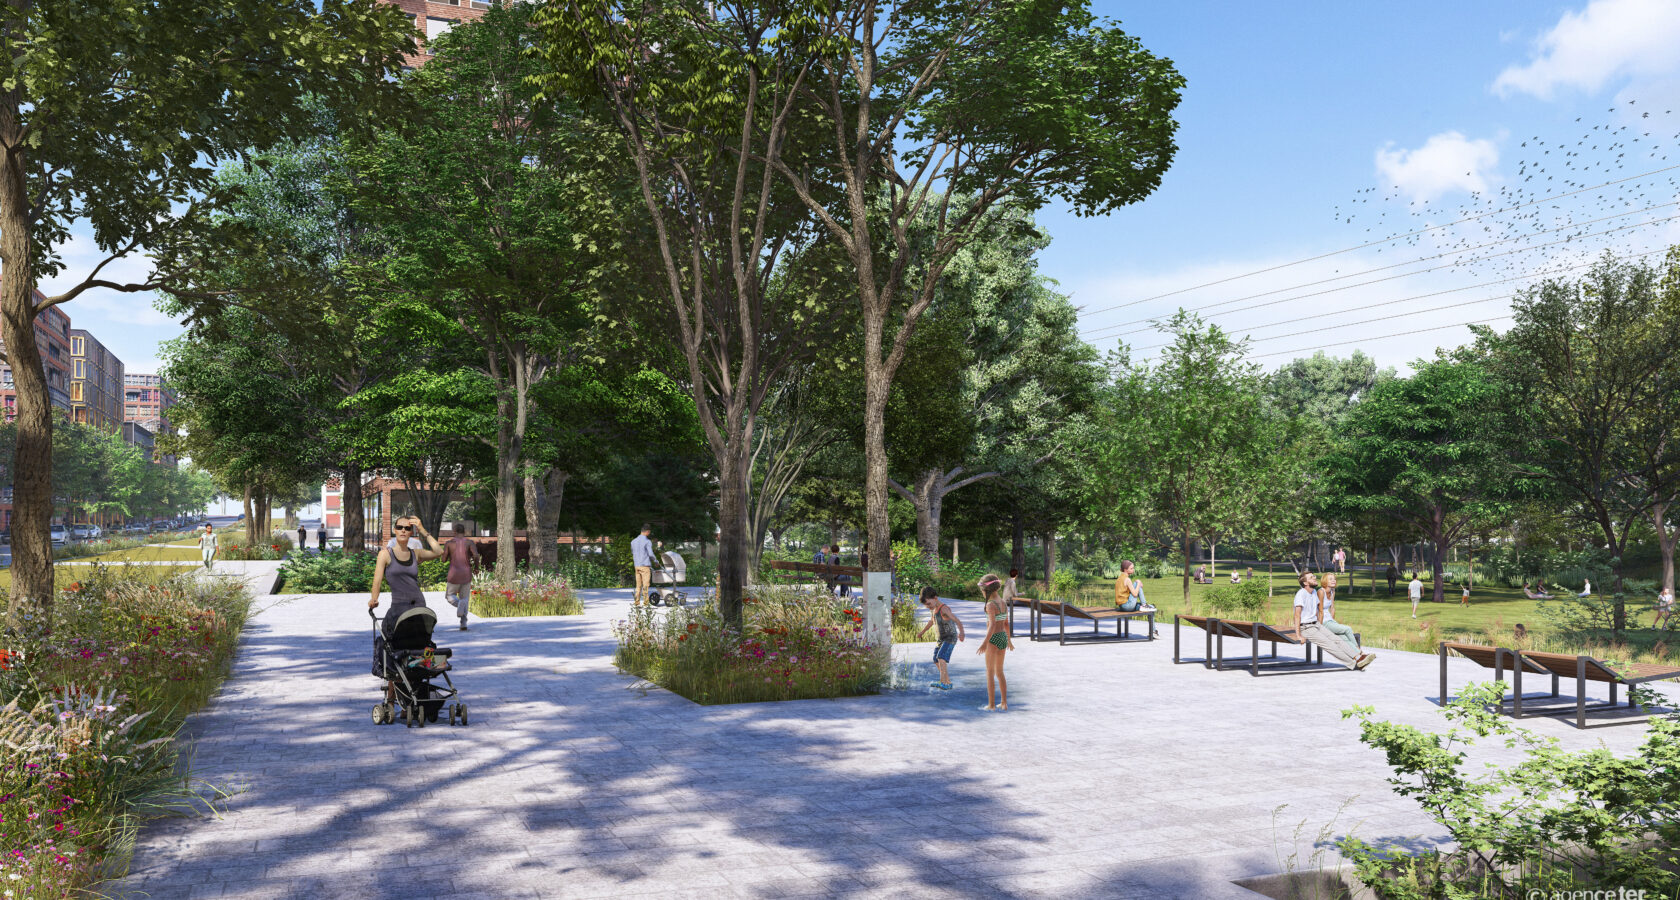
(1049, 556)
(1666, 539)
(1018, 542)
(247, 510)
(877, 522)
(543, 498)
(32, 493)
(1438, 564)
(264, 517)
(733, 490)
(291, 518)
(1213, 558)
(1187, 558)
(507, 487)
(350, 510)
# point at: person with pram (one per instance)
(401, 645)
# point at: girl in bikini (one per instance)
(997, 643)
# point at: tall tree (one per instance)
(1426, 451)
(946, 111)
(1324, 389)
(1596, 380)
(116, 113)
(707, 119)
(493, 209)
(1183, 441)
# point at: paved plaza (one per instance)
(1114, 774)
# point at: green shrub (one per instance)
(1529, 827)
(1246, 600)
(541, 594)
(621, 560)
(795, 645)
(1063, 584)
(332, 572)
(587, 570)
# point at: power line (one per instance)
(1462, 262)
(1416, 312)
(1387, 240)
(1400, 334)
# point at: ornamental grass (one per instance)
(792, 645)
(90, 703)
(535, 594)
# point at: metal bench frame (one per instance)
(1215, 630)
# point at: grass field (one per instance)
(65, 574)
(170, 553)
(1386, 622)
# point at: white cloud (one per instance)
(1609, 39)
(1445, 163)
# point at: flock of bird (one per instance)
(1614, 187)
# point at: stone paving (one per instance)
(1115, 774)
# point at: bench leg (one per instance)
(1554, 684)
(1254, 651)
(1207, 637)
(1219, 658)
(1516, 679)
(1581, 692)
(1443, 650)
(1175, 639)
(1151, 627)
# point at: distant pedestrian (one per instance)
(463, 558)
(1393, 576)
(1340, 558)
(207, 545)
(998, 641)
(1464, 600)
(950, 632)
(641, 553)
(1415, 589)
(1665, 608)
(303, 538)
(843, 583)
(321, 538)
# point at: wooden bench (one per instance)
(1096, 615)
(830, 574)
(1585, 669)
(1216, 630)
(1500, 660)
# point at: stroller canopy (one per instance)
(413, 628)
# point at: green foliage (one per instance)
(794, 646)
(1530, 824)
(538, 594)
(1063, 583)
(88, 716)
(592, 570)
(1244, 601)
(332, 572)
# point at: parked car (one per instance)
(59, 534)
(85, 532)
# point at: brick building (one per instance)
(147, 402)
(52, 336)
(96, 382)
(432, 18)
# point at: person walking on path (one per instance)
(1308, 624)
(1327, 610)
(303, 538)
(1665, 608)
(998, 642)
(951, 631)
(207, 545)
(399, 566)
(463, 558)
(1416, 590)
(1393, 576)
(1340, 558)
(641, 554)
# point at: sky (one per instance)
(1311, 132)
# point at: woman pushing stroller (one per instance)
(399, 566)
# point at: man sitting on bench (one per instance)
(1307, 625)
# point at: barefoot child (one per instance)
(950, 631)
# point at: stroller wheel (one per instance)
(378, 714)
(653, 598)
(462, 709)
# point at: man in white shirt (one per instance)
(1416, 590)
(1307, 625)
(641, 552)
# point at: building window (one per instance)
(436, 28)
(76, 391)
(80, 369)
(78, 346)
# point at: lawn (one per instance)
(171, 553)
(65, 574)
(1386, 622)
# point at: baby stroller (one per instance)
(673, 573)
(408, 661)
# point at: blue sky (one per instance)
(1291, 111)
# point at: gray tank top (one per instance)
(404, 580)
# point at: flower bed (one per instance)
(87, 718)
(541, 594)
(794, 645)
(236, 547)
